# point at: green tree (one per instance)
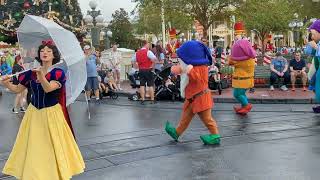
(149, 18)
(121, 29)
(69, 15)
(207, 11)
(266, 17)
(308, 9)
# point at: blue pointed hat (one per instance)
(194, 53)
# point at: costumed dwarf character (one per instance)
(239, 31)
(311, 49)
(173, 45)
(314, 71)
(243, 60)
(194, 86)
(45, 147)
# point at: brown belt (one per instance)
(242, 78)
(198, 95)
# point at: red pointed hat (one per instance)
(239, 28)
(173, 33)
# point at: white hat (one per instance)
(86, 47)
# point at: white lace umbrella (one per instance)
(33, 30)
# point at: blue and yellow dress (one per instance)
(45, 148)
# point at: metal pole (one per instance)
(163, 24)
(233, 19)
(210, 34)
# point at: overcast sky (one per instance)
(107, 7)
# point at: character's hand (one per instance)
(313, 44)
(176, 69)
(188, 69)
(39, 73)
(5, 80)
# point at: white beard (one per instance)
(184, 78)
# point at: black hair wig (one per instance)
(55, 52)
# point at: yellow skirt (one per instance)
(45, 148)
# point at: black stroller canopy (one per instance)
(165, 72)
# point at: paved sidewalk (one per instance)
(260, 96)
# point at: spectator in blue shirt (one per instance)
(5, 68)
(279, 69)
(92, 73)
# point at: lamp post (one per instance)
(278, 37)
(95, 20)
(296, 25)
(233, 21)
(182, 38)
(106, 33)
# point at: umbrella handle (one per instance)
(88, 108)
(18, 73)
(1, 79)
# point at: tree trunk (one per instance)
(205, 32)
(261, 59)
(263, 49)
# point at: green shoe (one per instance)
(210, 139)
(171, 131)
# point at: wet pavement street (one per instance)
(124, 140)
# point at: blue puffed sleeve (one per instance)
(25, 78)
(59, 76)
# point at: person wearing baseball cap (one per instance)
(92, 73)
(86, 47)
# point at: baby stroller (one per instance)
(214, 82)
(112, 94)
(134, 79)
(134, 83)
(166, 87)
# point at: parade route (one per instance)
(126, 140)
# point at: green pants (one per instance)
(240, 95)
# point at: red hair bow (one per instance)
(48, 43)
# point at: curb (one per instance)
(252, 100)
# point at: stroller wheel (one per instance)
(135, 97)
(114, 96)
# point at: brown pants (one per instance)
(294, 76)
(205, 116)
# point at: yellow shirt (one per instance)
(243, 75)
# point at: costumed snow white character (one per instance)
(314, 71)
(242, 58)
(195, 58)
(45, 148)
